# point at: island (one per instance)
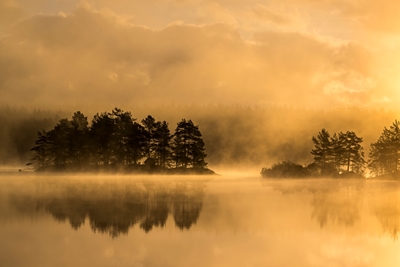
(115, 142)
(341, 155)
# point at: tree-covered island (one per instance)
(116, 142)
(341, 155)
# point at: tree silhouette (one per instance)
(150, 125)
(59, 142)
(163, 147)
(42, 156)
(323, 153)
(384, 154)
(79, 139)
(340, 153)
(137, 143)
(351, 154)
(123, 123)
(188, 146)
(101, 135)
(115, 140)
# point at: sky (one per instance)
(303, 53)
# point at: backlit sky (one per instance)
(305, 53)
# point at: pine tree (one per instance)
(123, 123)
(42, 155)
(384, 154)
(101, 136)
(323, 153)
(150, 125)
(188, 146)
(137, 143)
(351, 154)
(60, 147)
(78, 139)
(163, 148)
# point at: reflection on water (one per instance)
(222, 222)
(340, 201)
(335, 201)
(386, 207)
(113, 207)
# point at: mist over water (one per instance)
(236, 138)
(230, 220)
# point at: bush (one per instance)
(285, 169)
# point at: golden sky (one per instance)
(305, 53)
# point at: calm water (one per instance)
(178, 221)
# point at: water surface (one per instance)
(187, 221)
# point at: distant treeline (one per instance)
(116, 139)
(236, 136)
(342, 155)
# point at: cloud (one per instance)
(10, 13)
(267, 14)
(96, 56)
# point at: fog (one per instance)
(236, 137)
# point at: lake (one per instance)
(242, 220)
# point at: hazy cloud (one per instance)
(267, 14)
(10, 13)
(97, 55)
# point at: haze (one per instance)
(313, 54)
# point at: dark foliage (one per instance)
(341, 153)
(385, 153)
(285, 169)
(116, 142)
(337, 156)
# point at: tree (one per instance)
(340, 153)
(116, 138)
(101, 133)
(59, 142)
(42, 156)
(137, 143)
(384, 154)
(188, 146)
(163, 147)
(78, 139)
(123, 123)
(351, 155)
(64, 144)
(323, 153)
(150, 125)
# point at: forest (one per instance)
(116, 141)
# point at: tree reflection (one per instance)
(187, 207)
(115, 207)
(335, 201)
(386, 208)
(341, 207)
(340, 202)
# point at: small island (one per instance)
(116, 143)
(341, 156)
